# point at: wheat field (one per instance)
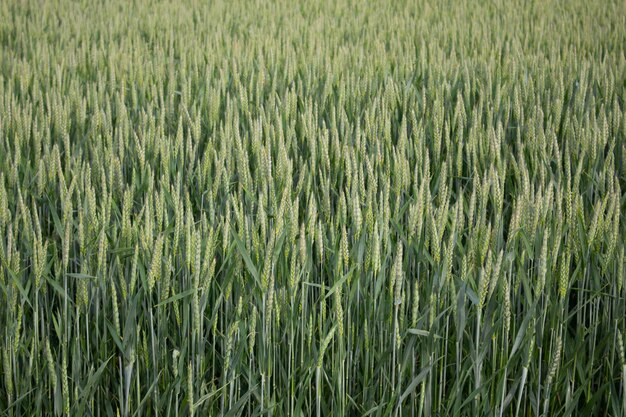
(312, 208)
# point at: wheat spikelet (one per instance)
(543, 266)
(556, 358)
(324, 346)
(154, 272)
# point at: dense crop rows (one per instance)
(312, 208)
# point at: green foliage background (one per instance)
(320, 208)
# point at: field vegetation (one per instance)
(312, 208)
